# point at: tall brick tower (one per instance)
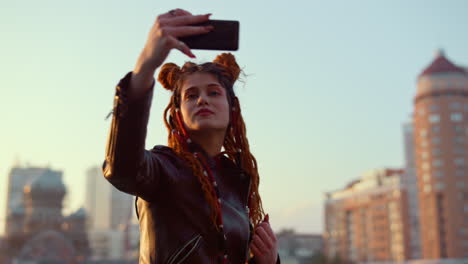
(441, 152)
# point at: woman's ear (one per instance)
(168, 76)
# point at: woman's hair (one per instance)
(236, 145)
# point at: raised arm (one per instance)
(128, 166)
(126, 162)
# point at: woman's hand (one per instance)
(264, 244)
(161, 39)
(164, 33)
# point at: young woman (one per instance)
(198, 198)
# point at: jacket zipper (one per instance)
(112, 140)
(196, 240)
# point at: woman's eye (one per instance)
(191, 96)
(214, 93)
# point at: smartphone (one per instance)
(224, 36)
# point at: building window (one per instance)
(439, 186)
(433, 108)
(456, 117)
(424, 154)
(421, 111)
(426, 177)
(427, 188)
(460, 185)
(435, 140)
(426, 166)
(438, 174)
(423, 143)
(459, 150)
(462, 196)
(436, 152)
(459, 140)
(459, 162)
(458, 129)
(434, 118)
(459, 173)
(455, 106)
(435, 129)
(423, 132)
(437, 163)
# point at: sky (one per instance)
(327, 86)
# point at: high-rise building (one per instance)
(441, 157)
(367, 221)
(411, 183)
(109, 218)
(108, 208)
(122, 210)
(97, 200)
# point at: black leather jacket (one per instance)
(174, 216)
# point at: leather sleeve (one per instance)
(128, 166)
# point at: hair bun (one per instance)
(168, 75)
(228, 61)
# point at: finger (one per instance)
(174, 13)
(187, 30)
(177, 44)
(265, 237)
(267, 227)
(255, 250)
(186, 20)
(259, 244)
(182, 12)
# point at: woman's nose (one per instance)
(202, 99)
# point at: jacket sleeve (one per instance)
(128, 166)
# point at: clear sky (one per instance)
(328, 86)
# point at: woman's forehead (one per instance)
(200, 79)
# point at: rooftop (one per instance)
(442, 65)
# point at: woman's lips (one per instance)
(203, 112)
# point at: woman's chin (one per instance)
(205, 126)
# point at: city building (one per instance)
(296, 248)
(368, 220)
(108, 208)
(18, 178)
(109, 219)
(97, 200)
(411, 183)
(107, 244)
(37, 231)
(440, 122)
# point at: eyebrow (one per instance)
(209, 85)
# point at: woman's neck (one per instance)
(211, 141)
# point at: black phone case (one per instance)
(225, 36)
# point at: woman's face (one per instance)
(203, 103)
